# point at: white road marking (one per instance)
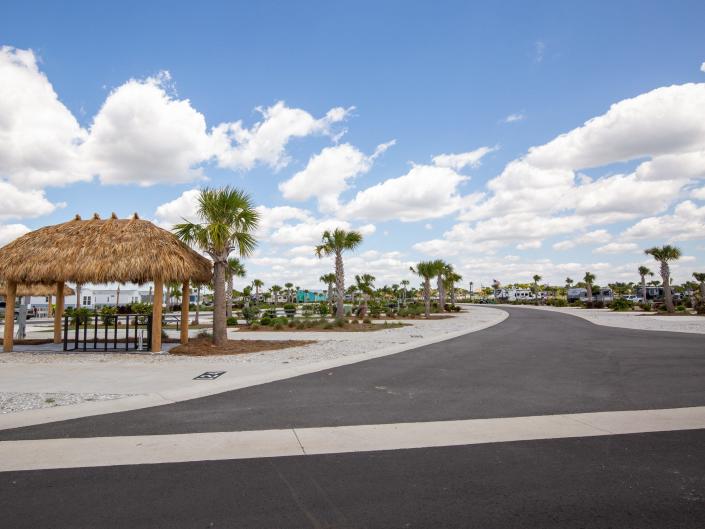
(149, 449)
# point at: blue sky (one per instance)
(432, 77)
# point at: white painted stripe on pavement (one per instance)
(136, 450)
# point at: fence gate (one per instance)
(116, 332)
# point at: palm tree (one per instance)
(288, 287)
(257, 284)
(568, 283)
(452, 277)
(643, 272)
(228, 221)
(589, 278)
(329, 280)
(275, 289)
(335, 243)
(404, 284)
(234, 269)
(663, 255)
(536, 279)
(441, 267)
(426, 270)
(700, 278)
(365, 284)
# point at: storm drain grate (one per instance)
(210, 375)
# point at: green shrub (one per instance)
(681, 308)
(250, 314)
(367, 320)
(278, 326)
(323, 309)
(254, 326)
(231, 321)
(621, 305)
(289, 306)
(329, 325)
(265, 320)
(107, 315)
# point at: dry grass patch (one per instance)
(205, 347)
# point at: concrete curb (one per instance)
(88, 409)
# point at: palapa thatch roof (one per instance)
(101, 251)
(37, 289)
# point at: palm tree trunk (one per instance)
(229, 294)
(220, 330)
(441, 294)
(427, 296)
(340, 284)
(198, 305)
(643, 289)
(589, 292)
(666, 278)
(452, 294)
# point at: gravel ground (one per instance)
(10, 402)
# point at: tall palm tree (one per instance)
(664, 255)
(288, 287)
(365, 284)
(589, 279)
(228, 222)
(643, 272)
(700, 278)
(334, 244)
(257, 284)
(329, 280)
(441, 268)
(568, 283)
(426, 270)
(234, 269)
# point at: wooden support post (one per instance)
(9, 336)
(157, 316)
(185, 295)
(59, 312)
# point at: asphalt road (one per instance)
(533, 363)
(639, 481)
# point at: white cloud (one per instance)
(182, 208)
(238, 147)
(618, 247)
(529, 245)
(16, 203)
(464, 159)
(511, 118)
(144, 136)
(328, 174)
(698, 194)
(9, 232)
(310, 231)
(39, 137)
(702, 67)
(425, 192)
(687, 222)
(539, 50)
(589, 238)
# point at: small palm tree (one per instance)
(234, 269)
(334, 244)
(404, 284)
(451, 279)
(568, 284)
(441, 270)
(228, 221)
(589, 279)
(289, 293)
(365, 284)
(536, 278)
(257, 284)
(276, 290)
(664, 255)
(700, 278)
(643, 272)
(426, 270)
(329, 280)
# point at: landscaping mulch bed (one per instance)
(205, 347)
(350, 327)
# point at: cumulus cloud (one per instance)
(618, 247)
(16, 203)
(589, 238)
(685, 223)
(9, 232)
(39, 137)
(329, 173)
(239, 147)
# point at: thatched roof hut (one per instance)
(100, 251)
(36, 289)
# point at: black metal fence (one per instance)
(118, 332)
